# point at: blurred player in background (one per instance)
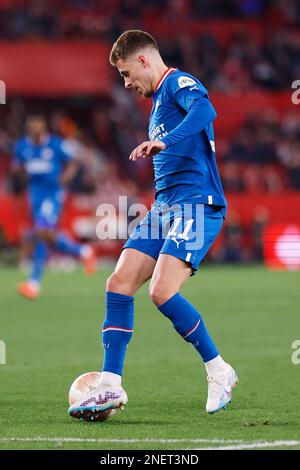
(47, 163)
(182, 144)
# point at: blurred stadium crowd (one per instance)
(262, 155)
(245, 62)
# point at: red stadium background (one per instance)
(54, 59)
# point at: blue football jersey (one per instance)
(186, 171)
(44, 163)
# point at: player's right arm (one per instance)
(18, 170)
(147, 149)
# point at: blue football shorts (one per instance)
(185, 231)
(46, 208)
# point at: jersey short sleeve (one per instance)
(185, 89)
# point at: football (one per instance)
(84, 384)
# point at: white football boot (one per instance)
(101, 400)
(220, 386)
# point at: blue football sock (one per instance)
(117, 330)
(190, 325)
(39, 259)
(66, 245)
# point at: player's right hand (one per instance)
(147, 149)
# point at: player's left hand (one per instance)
(147, 149)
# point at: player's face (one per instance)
(36, 126)
(137, 75)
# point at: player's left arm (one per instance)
(192, 97)
(18, 171)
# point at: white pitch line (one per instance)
(120, 441)
(240, 444)
(253, 445)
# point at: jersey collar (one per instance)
(161, 80)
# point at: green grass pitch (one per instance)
(252, 314)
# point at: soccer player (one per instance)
(49, 166)
(183, 149)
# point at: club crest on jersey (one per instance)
(47, 153)
(186, 81)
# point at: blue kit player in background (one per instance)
(169, 244)
(49, 166)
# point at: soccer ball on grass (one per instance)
(85, 384)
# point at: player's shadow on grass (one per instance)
(137, 422)
(131, 423)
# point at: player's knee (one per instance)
(159, 294)
(40, 233)
(119, 284)
(44, 235)
(113, 283)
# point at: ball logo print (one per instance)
(2, 353)
(2, 92)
